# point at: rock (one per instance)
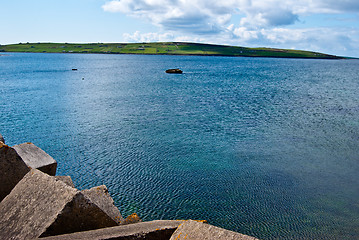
(35, 157)
(2, 138)
(100, 196)
(192, 230)
(66, 179)
(41, 206)
(175, 70)
(13, 169)
(154, 230)
(133, 218)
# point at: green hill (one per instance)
(162, 48)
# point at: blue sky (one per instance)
(329, 26)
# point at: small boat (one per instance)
(175, 70)
(74, 69)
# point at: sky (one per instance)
(327, 26)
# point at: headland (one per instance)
(164, 48)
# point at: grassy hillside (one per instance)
(163, 48)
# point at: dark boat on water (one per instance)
(175, 70)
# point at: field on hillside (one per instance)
(162, 48)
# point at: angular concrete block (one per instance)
(41, 206)
(101, 197)
(35, 157)
(12, 169)
(66, 179)
(133, 218)
(2, 138)
(154, 230)
(192, 230)
(81, 214)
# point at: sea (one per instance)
(262, 146)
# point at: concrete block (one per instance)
(35, 157)
(41, 206)
(192, 230)
(133, 218)
(66, 179)
(2, 138)
(101, 197)
(12, 169)
(154, 230)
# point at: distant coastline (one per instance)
(164, 48)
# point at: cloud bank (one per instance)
(250, 22)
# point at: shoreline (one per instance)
(194, 55)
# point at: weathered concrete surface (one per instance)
(2, 138)
(66, 179)
(154, 230)
(101, 197)
(35, 157)
(33, 206)
(133, 218)
(40, 205)
(12, 169)
(192, 230)
(80, 214)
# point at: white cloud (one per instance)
(244, 34)
(239, 22)
(148, 37)
(327, 40)
(213, 16)
(137, 36)
(184, 15)
(338, 42)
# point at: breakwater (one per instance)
(35, 203)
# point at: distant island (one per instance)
(163, 48)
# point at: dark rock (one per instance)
(66, 179)
(175, 70)
(35, 157)
(100, 196)
(41, 206)
(201, 231)
(2, 138)
(13, 169)
(154, 230)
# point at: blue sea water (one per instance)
(266, 147)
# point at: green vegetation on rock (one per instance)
(162, 48)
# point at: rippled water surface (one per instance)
(266, 147)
